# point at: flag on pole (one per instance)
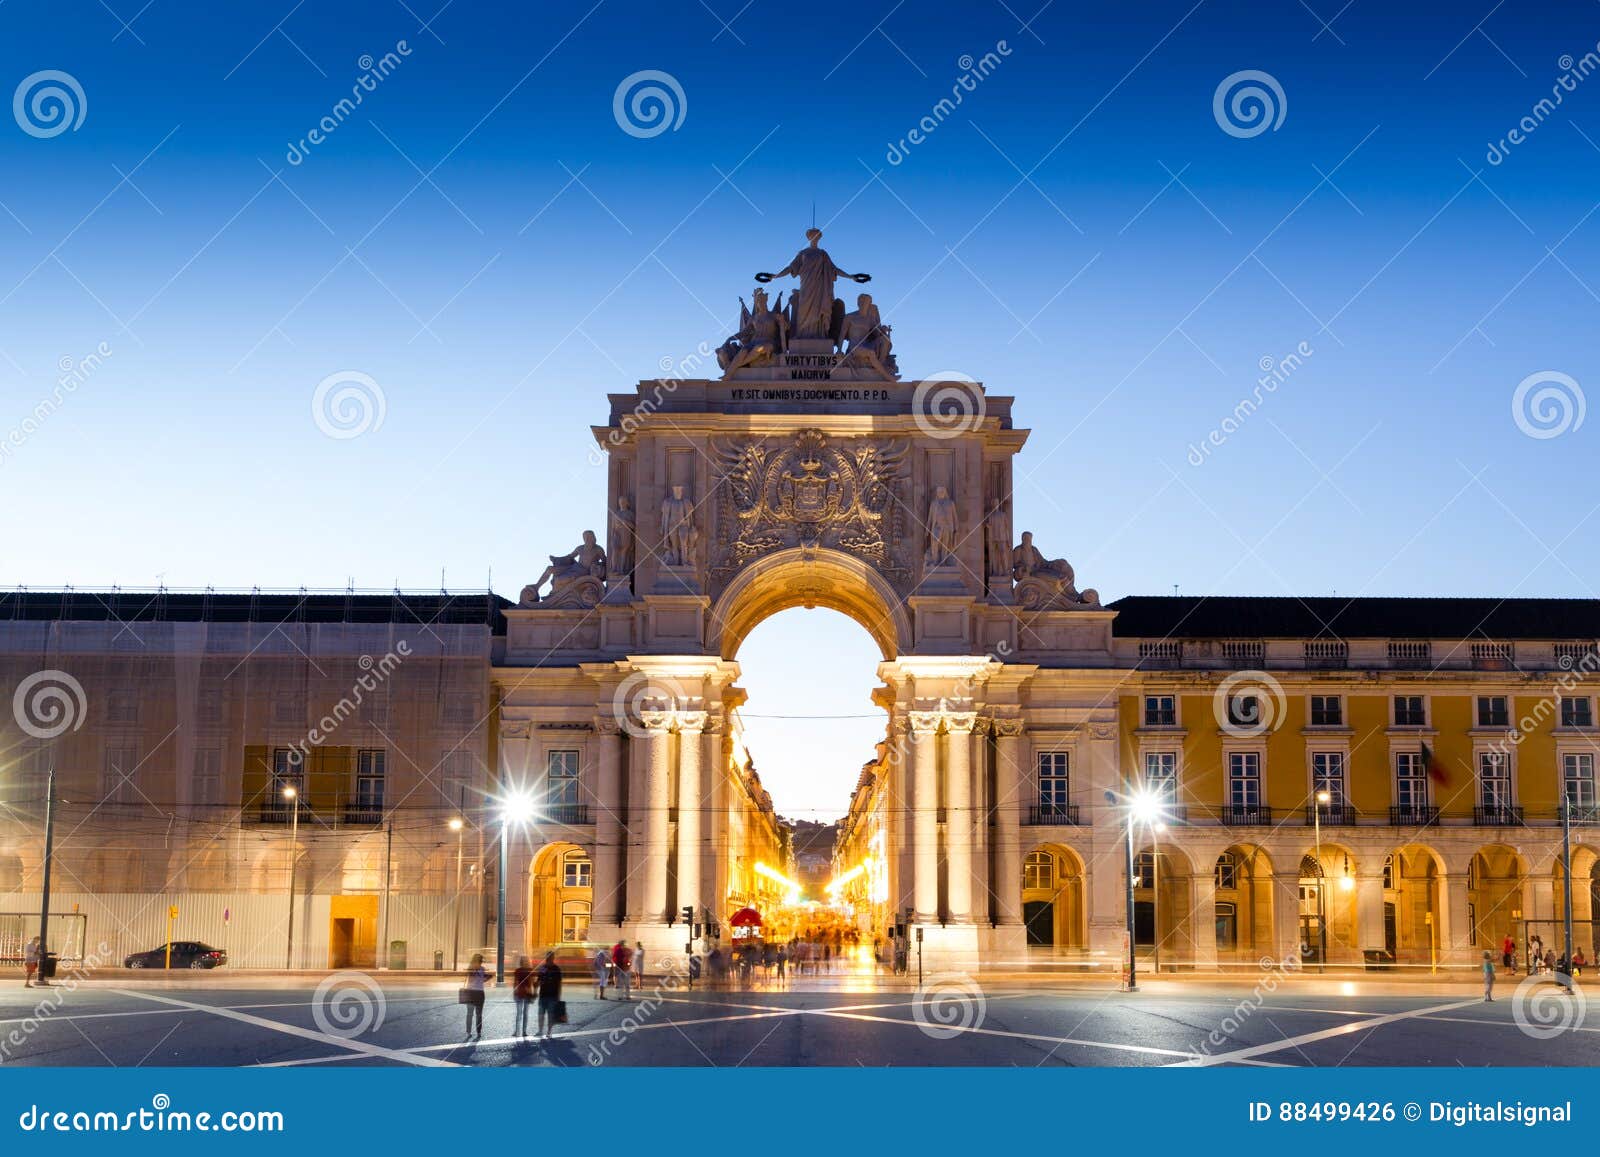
(1435, 769)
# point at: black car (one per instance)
(185, 954)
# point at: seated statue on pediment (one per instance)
(577, 578)
(1046, 583)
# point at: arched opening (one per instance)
(806, 711)
(810, 579)
(1242, 880)
(560, 895)
(1053, 914)
(1162, 906)
(1496, 877)
(1585, 903)
(1329, 931)
(1412, 880)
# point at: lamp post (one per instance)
(459, 827)
(1323, 797)
(293, 796)
(1566, 882)
(1146, 806)
(514, 808)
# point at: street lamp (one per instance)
(516, 808)
(1324, 797)
(1146, 806)
(458, 826)
(290, 794)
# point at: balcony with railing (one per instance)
(1246, 815)
(1327, 654)
(1041, 815)
(1335, 815)
(1496, 815)
(1412, 815)
(565, 813)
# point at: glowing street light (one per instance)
(292, 795)
(457, 825)
(515, 808)
(1146, 807)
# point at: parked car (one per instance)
(185, 954)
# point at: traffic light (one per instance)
(687, 913)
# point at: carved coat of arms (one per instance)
(809, 492)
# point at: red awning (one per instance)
(745, 918)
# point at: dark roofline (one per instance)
(188, 606)
(1336, 617)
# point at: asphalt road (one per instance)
(358, 1021)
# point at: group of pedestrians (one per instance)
(618, 967)
(539, 986)
(1541, 960)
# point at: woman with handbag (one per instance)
(472, 994)
(552, 1009)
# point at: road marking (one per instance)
(1323, 1034)
(1055, 1040)
(358, 1046)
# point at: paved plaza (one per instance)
(355, 1020)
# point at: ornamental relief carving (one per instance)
(844, 494)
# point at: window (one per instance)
(1493, 712)
(1039, 871)
(1494, 779)
(1576, 711)
(1161, 775)
(1327, 711)
(207, 783)
(1144, 870)
(459, 708)
(122, 762)
(1410, 781)
(574, 921)
(370, 768)
(288, 770)
(288, 709)
(459, 771)
(1054, 793)
(1244, 713)
(122, 707)
(577, 870)
(208, 705)
(1327, 775)
(1577, 776)
(1388, 872)
(1410, 711)
(1244, 779)
(561, 778)
(1160, 711)
(1226, 872)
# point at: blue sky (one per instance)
(483, 240)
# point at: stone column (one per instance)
(1008, 817)
(1369, 911)
(657, 802)
(958, 812)
(691, 804)
(714, 834)
(896, 819)
(1286, 917)
(1203, 918)
(608, 831)
(924, 739)
(1455, 930)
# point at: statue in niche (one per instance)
(865, 339)
(941, 528)
(811, 306)
(575, 577)
(678, 535)
(621, 559)
(1046, 583)
(763, 334)
(997, 528)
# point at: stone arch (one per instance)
(1497, 878)
(1163, 904)
(1416, 892)
(1054, 911)
(1242, 878)
(1326, 895)
(809, 578)
(560, 894)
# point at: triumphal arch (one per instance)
(806, 473)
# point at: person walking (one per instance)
(472, 993)
(1488, 976)
(522, 994)
(30, 962)
(548, 979)
(638, 963)
(1535, 954)
(602, 966)
(622, 961)
(1508, 954)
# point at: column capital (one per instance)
(691, 722)
(960, 722)
(657, 720)
(924, 721)
(607, 725)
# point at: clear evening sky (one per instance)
(483, 239)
